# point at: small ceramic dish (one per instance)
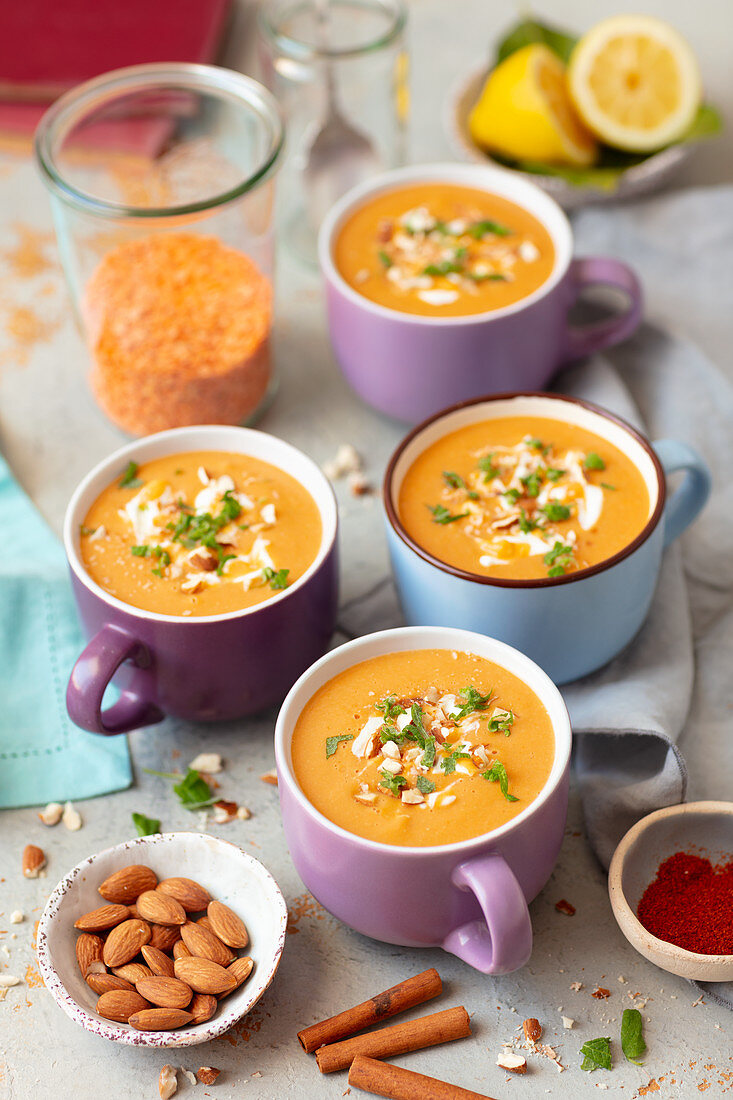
(650, 175)
(705, 828)
(228, 873)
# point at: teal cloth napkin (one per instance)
(44, 757)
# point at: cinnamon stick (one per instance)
(407, 994)
(396, 1083)
(428, 1031)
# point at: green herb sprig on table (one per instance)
(596, 1054)
(194, 793)
(632, 1039)
(146, 826)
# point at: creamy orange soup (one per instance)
(200, 533)
(523, 497)
(424, 747)
(443, 251)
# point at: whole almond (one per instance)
(207, 1075)
(165, 936)
(226, 925)
(190, 894)
(205, 945)
(202, 1007)
(128, 883)
(132, 912)
(160, 1019)
(165, 992)
(99, 920)
(124, 942)
(33, 861)
(159, 908)
(205, 976)
(88, 950)
(120, 1004)
(180, 950)
(204, 922)
(159, 963)
(133, 972)
(532, 1029)
(105, 983)
(240, 970)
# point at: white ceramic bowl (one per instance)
(652, 174)
(705, 828)
(228, 873)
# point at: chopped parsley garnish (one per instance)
(497, 774)
(129, 479)
(502, 722)
(487, 277)
(512, 495)
(222, 562)
(428, 757)
(442, 515)
(559, 559)
(632, 1040)
(146, 826)
(532, 483)
(472, 700)
(390, 708)
(455, 481)
(593, 462)
(277, 578)
(445, 267)
(384, 258)
(392, 783)
(556, 512)
(526, 524)
(415, 731)
(605, 485)
(486, 225)
(142, 551)
(596, 1054)
(490, 471)
(332, 743)
(448, 762)
(553, 473)
(425, 785)
(83, 530)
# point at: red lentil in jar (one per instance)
(178, 327)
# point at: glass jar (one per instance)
(339, 69)
(161, 179)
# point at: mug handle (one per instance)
(689, 499)
(502, 941)
(603, 271)
(91, 676)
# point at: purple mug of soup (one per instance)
(200, 667)
(469, 897)
(409, 365)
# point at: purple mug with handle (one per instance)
(409, 366)
(470, 898)
(202, 668)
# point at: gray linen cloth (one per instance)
(662, 708)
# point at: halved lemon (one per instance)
(635, 82)
(524, 112)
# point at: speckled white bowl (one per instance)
(228, 873)
(701, 827)
(652, 174)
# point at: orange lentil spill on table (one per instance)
(178, 328)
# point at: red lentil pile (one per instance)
(178, 327)
(690, 904)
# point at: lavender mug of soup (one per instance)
(446, 281)
(204, 566)
(423, 780)
(538, 519)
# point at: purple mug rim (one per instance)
(443, 171)
(534, 582)
(469, 846)
(128, 449)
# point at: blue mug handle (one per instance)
(688, 500)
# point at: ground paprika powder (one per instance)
(690, 904)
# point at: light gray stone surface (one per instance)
(52, 433)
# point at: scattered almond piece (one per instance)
(51, 815)
(514, 1063)
(33, 861)
(576, 986)
(8, 980)
(346, 461)
(270, 777)
(71, 818)
(565, 907)
(532, 1029)
(243, 813)
(601, 994)
(167, 1082)
(17, 916)
(209, 762)
(359, 485)
(207, 1075)
(568, 1023)
(224, 812)
(191, 1077)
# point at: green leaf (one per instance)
(497, 774)
(553, 473)
(145, 826)
(278, 578)
(490, 471)
(392, 783)
(593, 461)
(532, 483)
(502, 723)
(559, 550)
(529, 31)
(142, 551)
(84, 530)
(706, 123)
(384, 259)
(332, 743)
(428, 757)
(605, 485)
(556, 512)
(511, 496)
(455, 481)
(556, 571)
(442, 515)
(526, 524)
(222, 562)
(445, 267)
(129, 479)
(472, 700)
(596, 1054)
(486, 225)
(390, 708)
(448, 762)
(193, 791)
(425, 785)
(632, 1040)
